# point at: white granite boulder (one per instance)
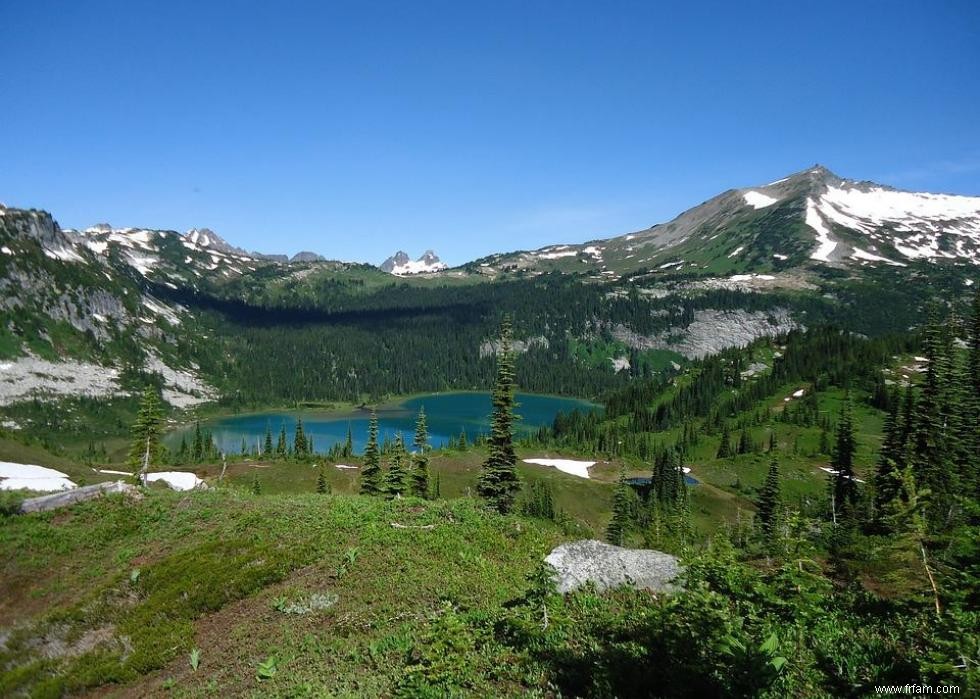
(606, 566)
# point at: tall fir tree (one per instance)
(498, 482)
(844, 483)
(299, 440)
(348, 443)
(972, 474)
(744, 442)
(322, 485)
(619, 523)
(890, 459)
(768, 505)
(146, 430)
(725, 447)
(267, 444)
(281, 443)
(929, 440)
(396, 477)
(371, 475)
(197, 451)
(420, 459)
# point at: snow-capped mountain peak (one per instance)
(401, 263)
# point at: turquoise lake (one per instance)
(447, 415)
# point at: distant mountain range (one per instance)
(120, 302)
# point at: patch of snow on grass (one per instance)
(736, 251)
(575, 468)
(30, 477)
(178, 480)
(833, 472)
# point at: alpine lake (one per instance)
(448, 415)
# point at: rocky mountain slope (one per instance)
(810, 218)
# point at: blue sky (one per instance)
(358, 128)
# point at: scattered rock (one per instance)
(607, 567)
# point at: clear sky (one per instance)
(357, 128)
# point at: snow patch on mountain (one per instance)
(825, 244)
(758, 200)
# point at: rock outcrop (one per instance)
(607, 567)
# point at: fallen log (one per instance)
(45, 503)
(396, 525)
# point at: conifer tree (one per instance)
(886, 483)
(256, 486)
(281, 442)
(619, 524)
(348, 443)
(371, 473)
(972, 474)
(824, 447)
(396, 477)
(244, 449)
(725, 448)
(768, 505)
(322, 486)
(772, 441)
(299, 440)
(145, 445)
(420, 466)
(744, 442)
(929, 440)
(845, 487)
(198, 449)
(498, 482)
(267, 445)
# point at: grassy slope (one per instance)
(211, 565)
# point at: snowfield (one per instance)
(575, 468)
(925, 216)
(825, 244)
(758, 200)
(178, 480)
(30, 477)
